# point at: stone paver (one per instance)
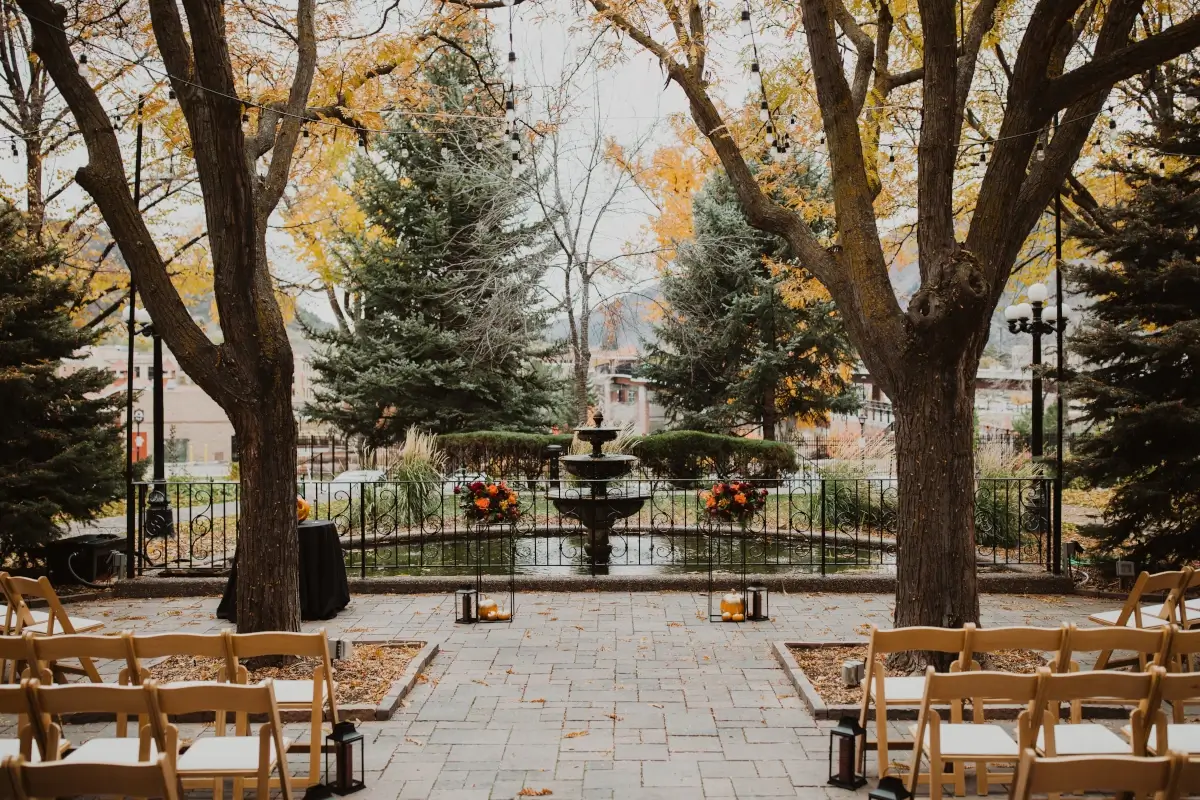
(663, 704)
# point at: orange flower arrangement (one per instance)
(736, 501)
(488, 502)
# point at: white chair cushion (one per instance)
(110, 751)
(11, 748)
(224, 754)
(80, 624)
(1084, 739)
(970, 739)
(902, 690)
(1149, 620)
(300, 692)
(1182, 738)
(38, 616)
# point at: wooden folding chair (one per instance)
(958, 743)
(993, 640)
(58, 622)
(1134, 615)
(908, 691)
(68, 779)
(1180, 649)
(8, 609)
(1079, 738)
(14, 656)
(50, 702)
(30, 743)
(1174, 734)
(1158, 777)
(8, 791)
(1149, 646)
(311, 694)
(211, 759)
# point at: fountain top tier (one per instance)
(598, 465)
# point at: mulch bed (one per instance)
(823, 668)
(365, 678)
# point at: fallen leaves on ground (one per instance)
(527, 792)
(823, 668)
(365, 678)
(575, 734)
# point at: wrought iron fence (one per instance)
(809, 525)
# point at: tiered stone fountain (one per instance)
(595, 504)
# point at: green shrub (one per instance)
(499, 453)
(690, 455)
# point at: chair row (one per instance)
(1169, 603)
(1164, 646)
(257, 758)
(19, 618)
(22, 781)
(316, 694)
(955, 742)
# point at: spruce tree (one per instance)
(1140, 388)
(733, 348)
(447, 317)
(61, 441)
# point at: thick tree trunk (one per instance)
(770, 417)
(935, 560)
(580, 388)
(268, 585)
(35, 205)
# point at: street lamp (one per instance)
(1038, 320)
(159, 521)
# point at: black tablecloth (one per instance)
(324, 590)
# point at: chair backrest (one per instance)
(1169, 583)
(12, 651)
(17, 589)
(1108, 773)
(1182, 645)
(980, 687)
(89, 698)
(47, 649)
(195, 645)
(1137, 689)
(991, 640)
(68, 778)
(938, 640)
(14, 701)
(7, 790)
(1154, 642)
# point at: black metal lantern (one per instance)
(843, 745)
(466, 604)
(345, 744)
(757, 604)
(890, 788)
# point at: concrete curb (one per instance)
(363, 712)
(990, 582)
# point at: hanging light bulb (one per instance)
(509, 3)
(510, 66)
(479, 143)
(516, 165)
(821, 141)
(245, 113)
(1040, 152)
(747, 27)
(14, 150)
(116, 119)
(510, 109)
(445, 153)
(170, 94)
(754, 66)
(793, 123)
(891, 155)
(304, 130)
(983, 153)
(770, 135)
(404, 154)
(1162, 167)
(764, 111)
(1129, 157)
(514, 143)
(1112, 124)
(362, 142)
(778, 154)
(84, 69)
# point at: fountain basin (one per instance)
(604, 467)
(597, 513)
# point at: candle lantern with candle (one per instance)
(346, 774)
(846, 760)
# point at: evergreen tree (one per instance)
(1140, 390)
(61, 443)
(447, 317)
(737, 346)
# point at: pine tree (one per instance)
(61, 442)
(734, 347)
(1140, 390)
(447, 323)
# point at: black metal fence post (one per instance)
(822, 526)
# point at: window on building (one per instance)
(631, 396)
(137, 372)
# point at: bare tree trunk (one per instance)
(34, 202)
(268, 582)
(770, 417)
(936, 514)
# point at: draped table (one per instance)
(324, 589)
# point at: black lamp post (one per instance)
(1038, 320)
(159, 519)
(130, 513)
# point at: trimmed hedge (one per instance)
(694, 454)
(499, 453)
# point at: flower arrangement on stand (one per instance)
(488, 502)
(735, 501)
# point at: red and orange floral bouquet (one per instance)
(736, 501)
(488, 502)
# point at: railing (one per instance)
(809, 525)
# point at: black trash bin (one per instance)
(88, 559)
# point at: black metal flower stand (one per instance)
(727, 548)
(490, 537)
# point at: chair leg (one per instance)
(936, 776)
(960, 778)
(982, 779)
(881, 747)
(314, 752)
